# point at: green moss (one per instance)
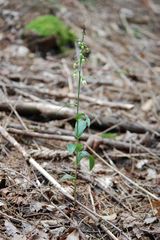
(48, 25)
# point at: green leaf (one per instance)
(91, 162)
(82, 154)
(109, 135)
(71, 148)
(68, 177)
(80, 126)
(80, 116)
(79, 147)
(88, 121)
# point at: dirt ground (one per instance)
(120, 197)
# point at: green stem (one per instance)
(79, 88)
(78, 106)
(79, 75)
(77, 140)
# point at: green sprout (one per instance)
(82, 120)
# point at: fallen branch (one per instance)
(96, 101)
(48, 111)
(41, 135)
(48, 131)
(101, 102)
(95, 142)
(92, 141)
(126, 147)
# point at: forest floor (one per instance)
(120, 197)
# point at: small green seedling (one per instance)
(82, 120)
(109, 135)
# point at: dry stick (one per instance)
(96, 217)
(46, 153)
(100, 186)
(13, 218)
(147, 150)
(41, 135)
(52, 111)
(91, 199)
(121, 174)
(101, 102)
(122, 146)
(93, 140)
(96, 141)
(50, 131)
(29, 95)
(13, 110)
(45, 109)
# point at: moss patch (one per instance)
(48, 25)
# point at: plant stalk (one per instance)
(78, 106)
(77, 140)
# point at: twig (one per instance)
(91, 198)
(121, 174)
(100, 102)
(95, 142)
(41, 135)
(46, 153)
(50, 131)
(127, 147)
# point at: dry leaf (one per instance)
(141, 163)
(110, 217)
(156, 206)
(151, 173)
(149, 220)
(36, 206)
(147, 105)
(19, 237)
(73, 235)
(105, 181)
(2, 204)
(10, 229)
